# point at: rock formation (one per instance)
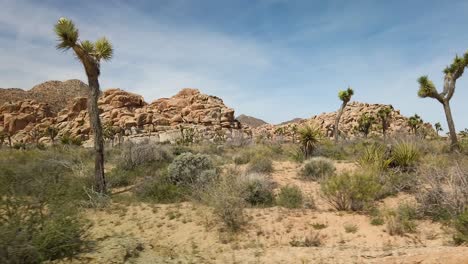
(125, 114)
(349, 121)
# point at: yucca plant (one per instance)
(309, 137)
(90, 54)
(405, 154)
(345, 97)
(428, 89)
(374, 157)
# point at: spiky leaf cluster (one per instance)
(426, 88)
(384, 112)
(415, 121)
(68, 38)
(438, 126)
(458, 65)
(345, 95)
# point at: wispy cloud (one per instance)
(269, 58)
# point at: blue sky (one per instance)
(272, 59)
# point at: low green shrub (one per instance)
(159, 189)
(260, 164)
(242, 158)
(135, 155)
(39, 196)
(228, 198)
(317, 169)
(461, 229)
(191, 169)
(351, 191)
(402, 220)
(259, 190)
(290, 197)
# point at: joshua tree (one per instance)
(294, 132)
(345, 97)
(3, 136)
(90, 54)
(384, 115)
(428, 89)
(415, 123)
(365, 123)
(109, 133)
(438, 127)
(309, 138)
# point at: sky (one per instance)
(271, 59)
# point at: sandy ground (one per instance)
(189, 233)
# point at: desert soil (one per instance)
(189, 233)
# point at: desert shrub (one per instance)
(311, 240)
(258, 190)
(39, 194)
(191, 169)
(243, 157)
(350, 228)
(331, 150)
(134, 155)
(290, 197)
(67, 139)
(374, 157)
(260, 164)
(228, 199)
(317, 169)
(443, 193)
(296, 154)
(377, 221)
(405, 155)
(160, 189)
(461, 229)
(351, 191)
(395, 181)
(402, 220)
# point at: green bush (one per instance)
(351, 191)
(401, 221)
(259, 190)
(191, 169)
(317, 169)
(260, 164)
(135, 155)
(39, 194)
(242, 158)
(374, 157)
(160, 189)
(405, 155)
(461, 229)
(290, 197)
(228, 199)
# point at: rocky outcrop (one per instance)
(55, 93)
(250, 121)
(349, 121)
(127, 115)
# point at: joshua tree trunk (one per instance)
(337, 121)
(100, 180)
(451, 125)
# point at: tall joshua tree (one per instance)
(90, 54)
(345, 97)
(384, 115)
(428, 89)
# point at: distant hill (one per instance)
(55, 93)
(295, 120)
(251, 121)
